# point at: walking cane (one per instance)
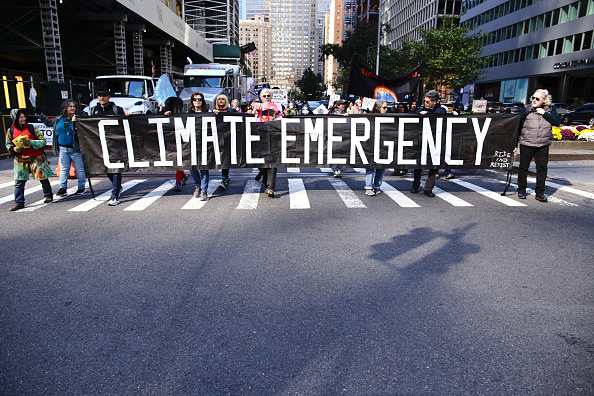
(509, 178)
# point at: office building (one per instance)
(256, 30)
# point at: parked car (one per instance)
(582, 115)
(562, 108)
(495, 107)
(513, 108)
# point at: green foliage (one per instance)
(311, 85)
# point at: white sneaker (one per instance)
(113, 202)
(337, 173)
(369, 192)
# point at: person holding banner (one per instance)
(200, 176)
(174, 105)
(65, 145)
(267, 111)
(431, 101)
(26, 142)
(108, 108)
(375, 177)
(222, 106)
(535, 137)
(235, 105)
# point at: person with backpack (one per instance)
(108, 108)
(65, 145)
(26, 143)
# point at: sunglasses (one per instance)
(265, 96)
(385, 107)
(535, 98)
(197, 100)
(428, 101)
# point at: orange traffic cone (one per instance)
(71, 174)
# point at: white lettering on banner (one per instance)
(332, 139)
(285, 138)
(448, 152)
(104, 150)
(356, 140)
(233, 121)
(389, 144)
(427, 141)
(131, 160)
(249, 138)
(314, 133)
(405, 143)
(186, 134)
(480, 137)
(214, 138)
(162, 153)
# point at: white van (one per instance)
(135, 94)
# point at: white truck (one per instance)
(135, 94)
(211, 80)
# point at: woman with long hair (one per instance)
(26, 142)
(222, 106)
(200, 176)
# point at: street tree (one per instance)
(311, 84)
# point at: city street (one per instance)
(319, 291)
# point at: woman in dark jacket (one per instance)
(535, 137)
(201, 176)
(222, 106)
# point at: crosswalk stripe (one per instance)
(565, 188)
(27, 191)
(40, 203)
(151, 197)
(250, 196)
(92, 203)
(487, 193)
(326, 170)
(398, 196)
(346, 194)
(551, 198)
(293, 170)
(446, 196)
(298, 195)
(7, 184)
(360, 170)
(196, 203)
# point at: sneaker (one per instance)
(377, 191)
(541, 198)
(197, 192)
(16, 207)
(369, 192)
(437, 176)
(183, 180)
(224, 183)
(177, 187)
(337, 173)
(450, 176)
(203, 196)
(48, 199)
(80, 191)
(113, 201)
(269, 192)
(522, 194)
(62, 193)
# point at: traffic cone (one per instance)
(71, 174)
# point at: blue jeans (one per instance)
(116, 181)
(19, 190)
(201, 178)
(66, 156)
(371, 182)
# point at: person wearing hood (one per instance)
(26, 142)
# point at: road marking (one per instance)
(92, 203)
(250, 196)
(398, 197)
(293, 170)
(40, 204)
(7, 184)
(346, 194)
(196, 203)
(27, 191)
(360, 170)
(487, 193)
(151, 197)
(565, 188)
(449, 198)
(326, 170)
(298, 195)
(551, 198)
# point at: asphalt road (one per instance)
(384, 299)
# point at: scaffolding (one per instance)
(119, 35)
(216, 20)
(51, 40)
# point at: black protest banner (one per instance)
(138, 143)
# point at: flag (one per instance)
(363, 82)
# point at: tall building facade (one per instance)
(257, 30)
(534, 44)
(216, 20)
(405, 17)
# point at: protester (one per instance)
(249, 109)
(267, 111)
(65, 145)
(108, 108)
(375, 177)
(339, 109)
(305, 109)
(174, 105)
(431, 107)
(414, 107)
(235, 105)
(222, 106)
(535, 137)
(200, 176)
